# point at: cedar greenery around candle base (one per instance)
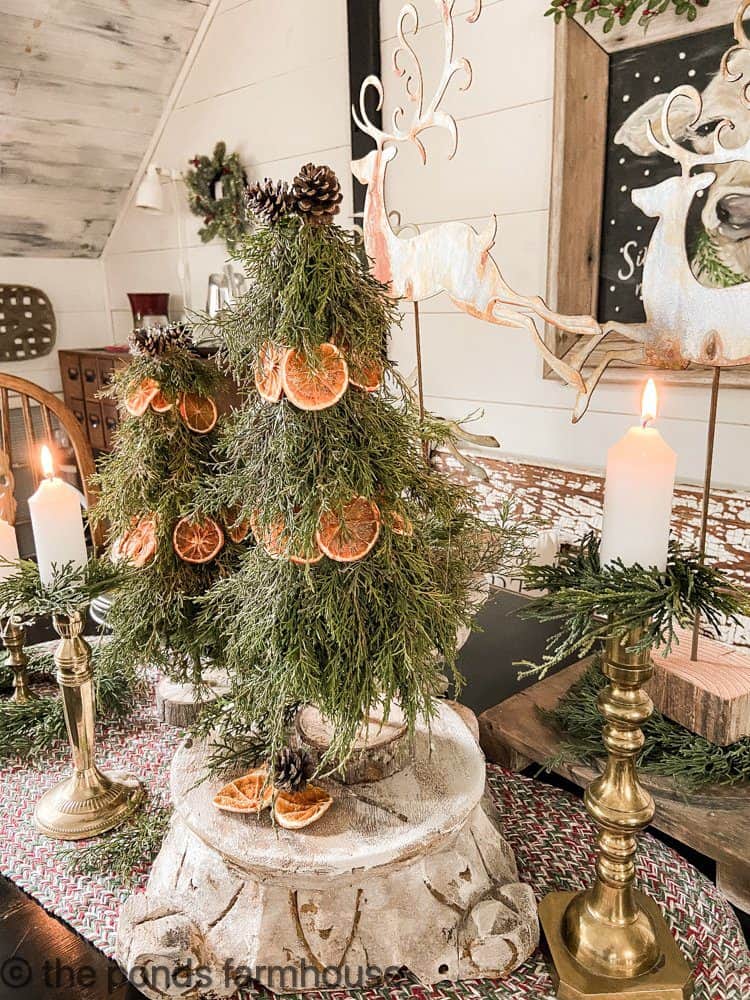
(367, 557)
(592, 602)
(148, 486)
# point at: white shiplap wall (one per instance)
(271, 80)
(76, 290)
(503, 166)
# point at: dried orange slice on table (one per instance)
(160, 403)
(138, 401)
(251, 793)
(198, 413)
(268, 380)
(137, 545)
(317, 382)
(197, 541)
(353, 535)
(296, 810)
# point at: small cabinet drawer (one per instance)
(111, 423)
(70, 372)
(90, 377)
(79, 411)
(107, 368)
(95, 424)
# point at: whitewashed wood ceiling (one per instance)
(82, 87)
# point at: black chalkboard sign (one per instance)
(636, 76)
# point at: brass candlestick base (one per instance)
(89, 802)
(611, 942)
(14, 637)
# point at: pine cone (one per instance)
(316, 194)
(269, 200)
(157, 340)
(292, 769)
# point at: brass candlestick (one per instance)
(89, 802)
(14, 638)
(611, 941)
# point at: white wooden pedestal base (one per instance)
(407, 871)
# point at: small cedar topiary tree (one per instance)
(148, 487)
(367, 559)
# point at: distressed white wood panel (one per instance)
(64, 175)
(502, 165)
(297, 34)
(126, 109)
(523, 75)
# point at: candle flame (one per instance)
(48, 466)
(650, 403)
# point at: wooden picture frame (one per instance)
(577, 191)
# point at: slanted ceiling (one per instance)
(83, 84)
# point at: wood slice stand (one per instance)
(179, 705)
(714, 821)
(408, 871)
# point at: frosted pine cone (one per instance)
(269, 200)
(157, 340)
(316, 195)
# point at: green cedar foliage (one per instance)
(340, 635)
(669, 750)
(157, 467)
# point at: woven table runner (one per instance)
(548, 829)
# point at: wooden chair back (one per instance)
(42, 414)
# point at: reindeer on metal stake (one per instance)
(451, 257)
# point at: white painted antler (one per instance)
(430, 116)
(743, 45)
(688, 158)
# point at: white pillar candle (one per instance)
(8, 549)
(638, 494)
(57, 523)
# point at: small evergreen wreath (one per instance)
(224, 216)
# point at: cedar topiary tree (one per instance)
(367, 559)
(148, 486)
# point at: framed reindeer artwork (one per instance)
(608, 89)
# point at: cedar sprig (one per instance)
(25, 597)
(669, 750)
(124, 856)
(707, 263)
(28, 730)
(592, 602)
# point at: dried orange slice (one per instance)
(268, 372)
(354, 535)
(273, 538)
(296, 810)
(199, 413)
(237, 528)
(310, 560)
(160, 403)
(250, 794)
(401, 525)
(197, 541)
(317, 383)
(137, 545)
(139, 399)
(365, 375)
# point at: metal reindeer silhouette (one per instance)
(451, 257)
(686, 322)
